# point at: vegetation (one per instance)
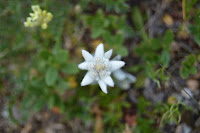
(39, 55)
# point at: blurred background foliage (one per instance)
(39, 70)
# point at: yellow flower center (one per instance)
(99, 67)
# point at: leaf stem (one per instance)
(181, 86)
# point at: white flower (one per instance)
(99, 68)
(124, 78)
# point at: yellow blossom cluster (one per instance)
(39, 17)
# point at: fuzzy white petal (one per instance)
(108, 80)
(83, 66)
(118, 57)
(87, 80)
(87, 56)
(108, 54)
(103, 86)
(131, 78)
(99, 50)
(116, 65)
(119, 74)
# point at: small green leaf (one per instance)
(97, 32)
(122, 51)
(51, 102)
(51, 76)
(191, 59)
(194, 30)
(158, 82)
(71, 68)
(44, 54)
(168, 38)
(165, 58)
(193, 70)
(137, 18)
(41, 101)
(188, 66)
(156, 44)
(61, 56)
(184, 74)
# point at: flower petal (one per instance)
(108, 80)
(117, 58)
(87, 80)
(116, 65)
(103, 86)
(99, 50)
(87, 56)
(119, 74)
(108, 54)
(131, 78)
(83, 66)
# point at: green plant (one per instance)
(188, 66)
(103, 26)
(172, 114)
(194, 29)
(145, 123)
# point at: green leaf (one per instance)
(168, 38)
(156, 44)
(51, 101)
(63, 86)
(165, 58)
(140, 80)
(142, 105)
(97, 32)
(71, 68)
(194, 29)
(188, 66)
(135, 68)
(193, 70)
(122, 51)
(51, 76)
(191, 59)
(157, 81)
(44, 54)
(61, 56)
(137, 18)
(184, 74)
(41, 101)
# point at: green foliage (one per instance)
(189, 7)
(153, 51)
(142, 105)
(156, 51)
(144, 124)
(188, 66)
(150, 52)
(172, 114)
(62, 56)
(139, 23)
(157, 74)
(51, 76)
(119, 6)
(39, 70)
(103, 26)
(194, 29)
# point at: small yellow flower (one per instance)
(39, 17)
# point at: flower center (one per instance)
(99, 67)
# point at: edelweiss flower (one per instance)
(99, 68)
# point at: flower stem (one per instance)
(181, 86)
